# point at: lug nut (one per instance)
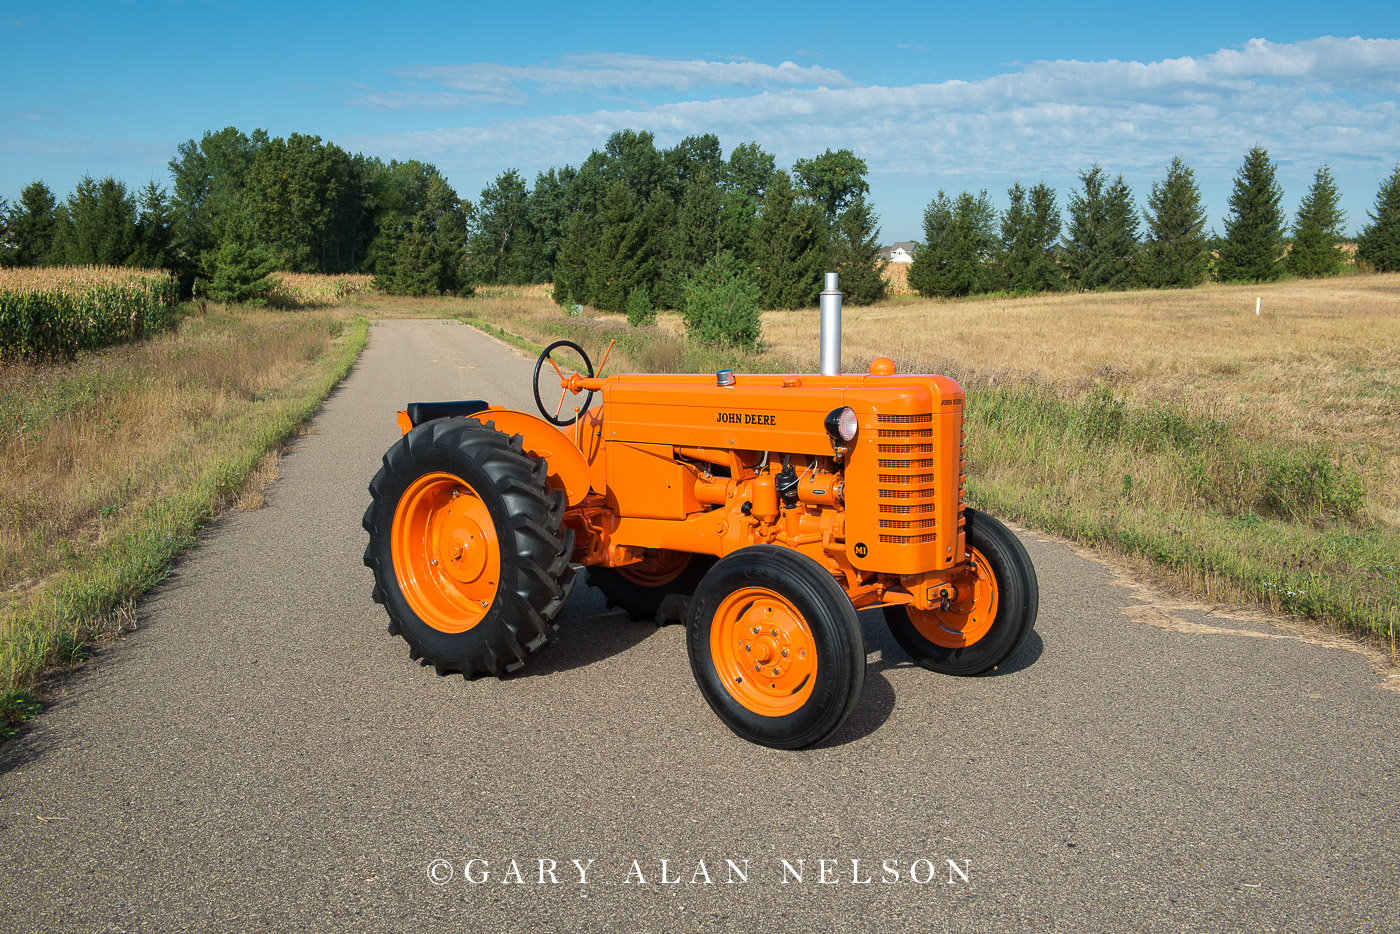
(757, 667)
(776, 672)
(775, 633)
(747, 647)
(784, 653)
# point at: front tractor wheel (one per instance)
(991, 611)
(775, 647)
(467, 547)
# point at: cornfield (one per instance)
(57, 311)
(304, 289)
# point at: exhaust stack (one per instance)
(831, 327)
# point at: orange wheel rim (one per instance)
(657, 568)
(763, 651)
(446, 555)
(969, 616)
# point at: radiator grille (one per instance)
(906, 510)
(907, 523)
(905, 539)
(906, 478)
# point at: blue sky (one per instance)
(930, 95)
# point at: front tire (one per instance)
(775, 647)
(993, 616)
(467, 546)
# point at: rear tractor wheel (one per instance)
(657, 589)
(993, 611)
(466, 542)
(775, 646)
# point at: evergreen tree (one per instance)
(33, 225)
(744, 182)
(854, 254)
(7, 245)
(786, 247)
(1175, 255)
(154, 229)
(1253, 243)
(418, 262)
(238, 270)
(97, 225)
(1029, 229)
(720, 305)
(692, 239)
(209, 180)
(959, 244)
(640, 313)
(1317, 228)
(547, 214)
(1101, 242)
(1379, 243)
(573, 270)
(629, 246)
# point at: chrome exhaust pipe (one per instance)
(831, 327)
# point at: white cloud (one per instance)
(618, 72)
(1325, 99)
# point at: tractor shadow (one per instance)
(585, 639)
(878, 698)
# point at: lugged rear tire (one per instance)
(455, 493)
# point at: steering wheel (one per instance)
(554, 418)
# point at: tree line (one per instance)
(632, 222)
(1107, 243)
(636, 227)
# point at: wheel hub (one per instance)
(446, 555)
(967, 609)
(763, 651)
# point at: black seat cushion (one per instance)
(420, 412)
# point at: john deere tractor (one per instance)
(761, 510)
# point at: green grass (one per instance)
(53, 623)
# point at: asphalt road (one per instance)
(262, 755)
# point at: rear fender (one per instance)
(568, 470)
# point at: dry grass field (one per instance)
(111, 462)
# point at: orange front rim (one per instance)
(658, 568)
(446, 555)
(763, 651)
(970, 613)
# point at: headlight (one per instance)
(841, 424)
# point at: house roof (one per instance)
(907, 246)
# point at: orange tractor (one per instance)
(762, 511)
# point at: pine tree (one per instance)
(1029, 228)
(100, 227)
(418, 266)
(787, 247)
(1253, 243)
(692, 240)
(1379, 243)
(154, 229)
(959, 245)
(238, 270)
(1317, 228)
(33, 225)
(720, 304)
(640, 312)
(573, 269)
(854, 254)
(1175, 255)
(1101, 244)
